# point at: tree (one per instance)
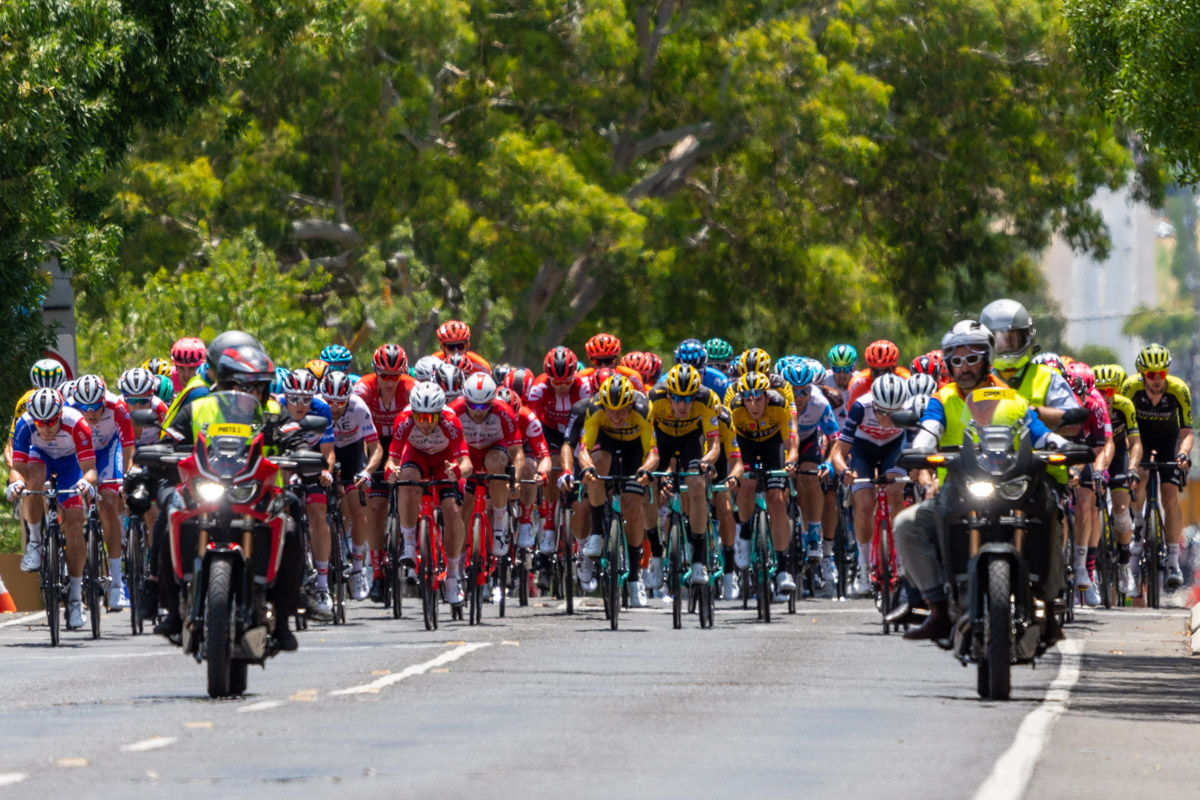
(1139, 59)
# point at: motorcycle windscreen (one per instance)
(228, 450)
(994, 418)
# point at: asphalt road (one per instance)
(819, 704)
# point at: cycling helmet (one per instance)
(45, 405)
(683, 379)
(889, 392)
(719, 350)
(928, 364)
(1052, 361)
(302, 383)
(754, 360)
(318, 367)
(89, 390)
(336, 356)
(425, 367)
(520, 380)
(1081, 378)
(479, 388)
(390, 358)
(597, 379)
(603, 345)
(1014, 331)
(1153, 358)
(158, 366)
(882, 354)
(691, 351)
(336, 387)
(450, 378)
(427, 398)
(188, 352)
(753, 382)
(461, 362)
(782, 362)
(799, 373)
(630, 359)
(67, 390)
(922, 384)
(560, 364)
(166, 389)
(616, 393)
(280, 382)
(500, 372)
(1109, 376)
(507, 395)
(454, 332)
(244, 365)
(917, 404)
(651, 368)
(970, 334)
(137, 382)
(46, 373)
(842, 357)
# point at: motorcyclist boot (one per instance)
(171, 626)
(902, 614)
(936, 626)
(285, 638)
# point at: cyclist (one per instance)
(58, 439)
(933, 365)
(353, 432)
(494, 444)
(385, 392)
(1163, 405)
(187, 354)
(765, 424)
(338, 358)
(425, 368)
(728, 470)
(647, 365)
(537, 467)
(618, 439)
(814, 419)
(572, 437)
(758, 360)
(137, 389)
(1097, 434)
(521, 381)
(683, 413)
(842, 360)
(720, 357)
(604, 350)
(1127, 450)
(450, 378)
(882, 358)
(46, 373)
(455, 337)
(279, 383)
(692, 352)
(300, 400)
(428, 444)
(873, 445)
(112, 442)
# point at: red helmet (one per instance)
(390, 358)
(929, 364)
(882, 354)
(1081, 378)
(597, 378)
(520, 380)
(560, 364)
(603, 345)
(188, 352)
(631, 359)
(653, 369)
(454, 332)
(461, 361)
(507, 395)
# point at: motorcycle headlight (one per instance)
(243, 492)
(981, 489)
(209, 491)
(1014, 489)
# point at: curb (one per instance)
(1193, 628)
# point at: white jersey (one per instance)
(355, 425)
(817, 414)
(863, 426)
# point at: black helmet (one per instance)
(226, 340)
(242, 365)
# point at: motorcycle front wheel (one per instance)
(998, 661)
(218, 618)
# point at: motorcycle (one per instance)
(992, 519)
(227, 521)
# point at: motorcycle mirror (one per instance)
(313, 422)
(1074, 416)
(905, 418)
(144, 416)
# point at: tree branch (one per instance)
(323, 230)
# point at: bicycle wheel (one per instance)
(427, 572)
(616, 551)
(674, 577)
(336, 575)
(763, 553)
(475, 560)
(52, 582)
(884, 554)
(1104, 560)
(92, 576)
(394, 572)
(840, 549)
(135, 574)
(1152, 556)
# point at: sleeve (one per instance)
(709, 424)
(828, 422)
(788, 420)
(535, 437)
(18, 410)
(1037, 428)
(458, 440)
(1059, 394)
(124, 425)
(160, 410)
(1185, 405)
(81, 434)
(854, 418)
(1125, 409)
(649, 443)
(366, 425)
(21, 440)
(591, 428)
(327, 436)
(508, 427)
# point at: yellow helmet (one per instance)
(754, 360)
(1153, 358)
(159, 366)
(683, 379)
(1109, 376)
(615, 393)
(753, 382)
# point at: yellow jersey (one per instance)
(701, 418)
(777, 417)
(636, 426)
(20, 409)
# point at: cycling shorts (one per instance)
(767, 454)
(554, 439)
(379, 486)
(686, 450)
(478, 456)
(869, 460)
(432, 467)
(1165, 451)
(67, 470)
(349, 460)
(810, 451)
(627, 458)
(110, 466)
(1118, 469)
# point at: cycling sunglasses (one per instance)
(682, 398)
(604, 362)
(1156, 375)
(337, 403)
(843, 370)
(455, 346)
(137, 401)
(300, 399)
(752, 394)
(388, 376)
(562, 382)
(805, 392)
(970, 360)
(91, 406)
(48, 423)
(479, 406)
(427, 419)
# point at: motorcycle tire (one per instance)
(218, 620)
(999, 639)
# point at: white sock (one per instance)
(864, 556)
(75, 592)
(357, 553)
(1080, 557)
(409, 534)
(1172, 555)
(499, 520)
(114, 569)
(35, 532)
(827, 547)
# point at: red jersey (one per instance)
(531, 433)
(446, 437)
(861, 384)
(554, 411)
(475, 363)
(384, 415)
(498, 427)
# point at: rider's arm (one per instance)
(88, 467)
(1185, 442)
(1059, 398)
(1135, 453)
(374, 456)
(516, 457)
(1104, 456)
(838, 456)
(327, 453)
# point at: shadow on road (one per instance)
(1139, 687)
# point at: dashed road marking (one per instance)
(416, 669)
(153, 743)
(10, 778)
(262, 705)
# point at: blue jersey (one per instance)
(716, 380)
(319, 409)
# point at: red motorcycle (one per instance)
(227, 523)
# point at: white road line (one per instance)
(10, 778)
(95, 656)
(415, 669)
(1012, 771)
(260, 706)
(18, 621)
(153, 743)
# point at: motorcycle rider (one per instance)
(968, 349)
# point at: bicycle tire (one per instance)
(674, 579)
(1069, 563)
(1104, 560)
(427, 572)
(1152, 553)
(616, 543)
(762, 546)
(840, 550)
(884, 554)
(335, 575)
(134, 572)
(395, 573)
(92, 576)
(474, 563)
(794, 562)
(52, 582)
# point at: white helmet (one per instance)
(424, 368)
(479, 389)
(917, 404)
(137, 382)
(427, 398)
(889, 392)
(922, 384)
(89, 390)
(45, 404)
(337, 387)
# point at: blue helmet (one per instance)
(692, 352)
(782, 363)
(336, 356)
(799, 373)
(279, 385)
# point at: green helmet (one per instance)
(842, 356)
(718, 350)
(166, 389)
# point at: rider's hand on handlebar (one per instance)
(362, 480)
(391, 475)
(848, 476)
(566, 482)
(590, 475)
(14, 490)
(326, 477)
(643, 477)
(86, 489)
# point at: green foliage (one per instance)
(1139, 57)
(1094, 354)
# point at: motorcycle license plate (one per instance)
(227, 429)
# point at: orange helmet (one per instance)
(882, 354)
(454, 332)
(318, 368)
(603, 345)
